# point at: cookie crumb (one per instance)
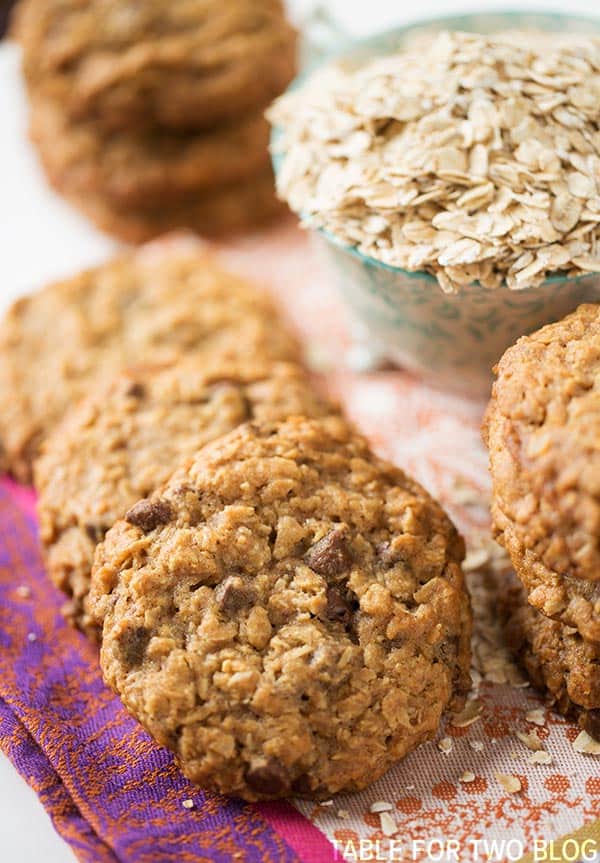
(445, 745)
(31, 636)
(476, 745)
(536, 717)
(23, 592)
(585, 744)
(530, 740)
(187, 804)
(540, 757)
(343, 813)
(468, 776)
(326, 803)
(511, 784)
(469, 715)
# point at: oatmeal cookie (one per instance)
(129, 435)
(558, 660)
(147, 168)
(543, 432)
(57, 343)
(288, 613)
(172, 63)
(244, 206)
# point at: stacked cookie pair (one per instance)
(149, 116)
(543, 431)
(280, 607)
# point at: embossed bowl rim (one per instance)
(378, 44)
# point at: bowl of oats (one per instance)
(452, 169)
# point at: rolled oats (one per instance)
(381, 806)
(536, 717)
(585, 744)
(475, 158)
(530, 740)
(388, 825)
(511, 784)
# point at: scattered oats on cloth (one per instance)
(476, 158)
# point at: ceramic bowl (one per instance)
(452, 340)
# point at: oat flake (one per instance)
(511, 784)
(586, 745)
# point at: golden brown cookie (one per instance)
(558, 660)
(239, 207)
(146, 168)
(56, 344)
(288, 613)
(175, 63)
(543, 432)
(128, 436)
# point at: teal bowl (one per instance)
(451, 340)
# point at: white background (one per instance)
(41, 238)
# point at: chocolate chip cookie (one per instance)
(543, 432)
(287, 614)
(171, 63)
(129, 435)
(244, 206)
(56, 344)
(558, 660)
(146, 168)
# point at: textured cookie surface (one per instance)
(242, 206)
(126, 439)
(543, 432)
(180, 63)
(558, 660)
(149, 167)
(288, 613)
(56, 344)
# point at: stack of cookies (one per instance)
(280, 607)
(149, 116)
(543, 432)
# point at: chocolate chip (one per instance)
(591, 723)
(148, 514)
(133, 644)
(135, 390)
(330, 555)
(301, 785)
(386, 556)
(338, 608)
(95, 533)
(269, 778)
(234, 594)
